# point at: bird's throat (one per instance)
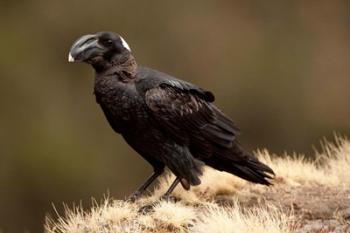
(123, 66)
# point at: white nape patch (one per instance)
(70, 58)
(125, 44)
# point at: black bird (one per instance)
(169, 122)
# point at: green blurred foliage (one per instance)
(280, 69)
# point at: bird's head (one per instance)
(99, 49)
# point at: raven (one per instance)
(169, 122)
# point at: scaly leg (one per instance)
(171, 189)
(147, 208)
(133, 197)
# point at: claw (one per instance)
(168, 198)
(133, 197)
(147, 208)
(150, 207)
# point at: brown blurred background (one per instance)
(280, 69)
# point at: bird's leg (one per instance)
(171, 189)
(144, 186)
(147, 208)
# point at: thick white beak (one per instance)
(70, 58)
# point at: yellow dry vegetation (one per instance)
(222, 203)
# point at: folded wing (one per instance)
(185, 112)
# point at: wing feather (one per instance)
(187, 114)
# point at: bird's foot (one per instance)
(147, 208)
(150, 207)
(133, 197)
(168, 198)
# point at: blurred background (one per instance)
(280, 69)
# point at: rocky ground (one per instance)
(317, 209)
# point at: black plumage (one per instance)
(169, 122)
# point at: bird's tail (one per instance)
(242, 164)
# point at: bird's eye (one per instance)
(106, 42)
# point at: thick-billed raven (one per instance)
(169, 122)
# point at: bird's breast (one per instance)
(122, 102)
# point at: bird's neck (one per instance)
(124, 66)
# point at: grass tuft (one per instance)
(307, 196)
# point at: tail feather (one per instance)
(238, 162)
(251, 174)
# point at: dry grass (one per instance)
(224, 203)
(332, 167)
